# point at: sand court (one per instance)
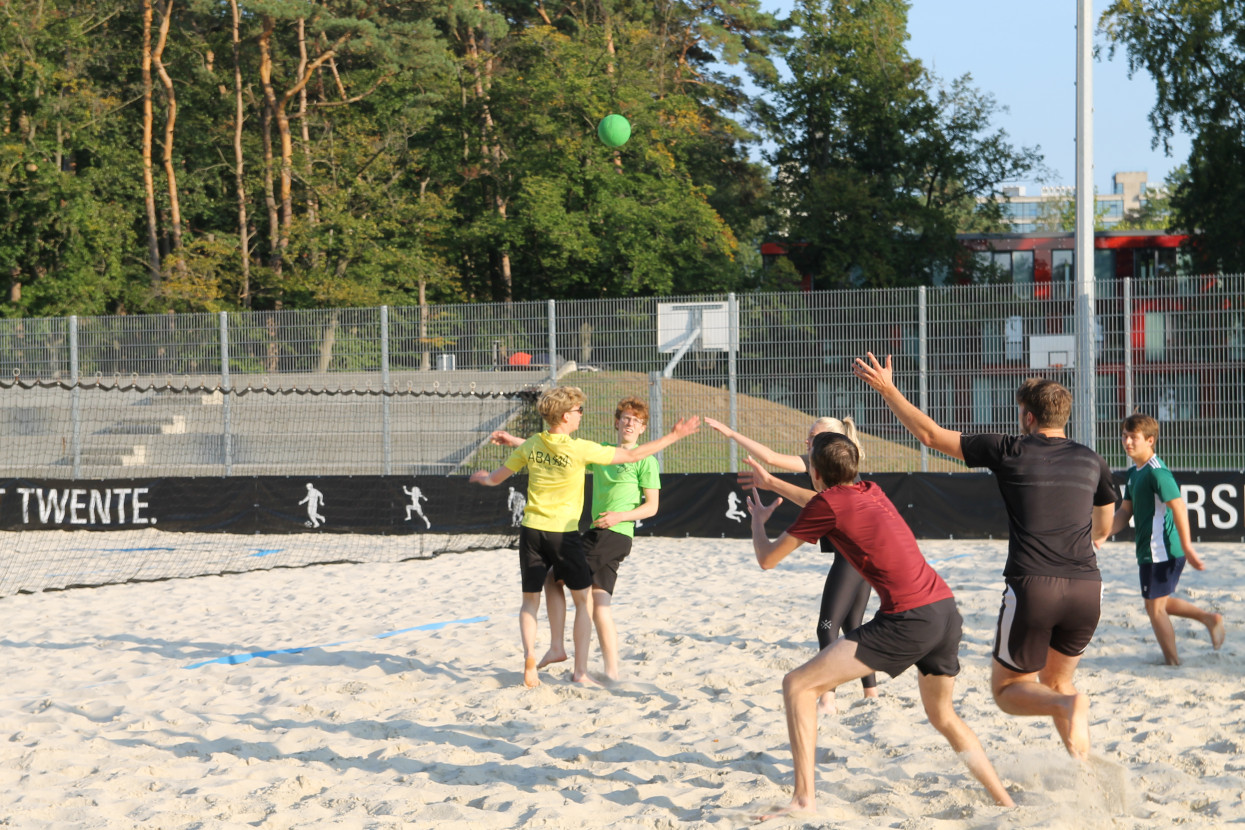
(389, 695)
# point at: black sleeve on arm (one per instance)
(1105, 493)
(980, 450)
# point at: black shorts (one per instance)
(1158, 579)
(1045, 612)
(605, 550)
(927, 637)
(540, 550)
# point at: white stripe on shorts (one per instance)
(1007, 617)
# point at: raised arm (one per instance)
(769, 551)
(491, 479)
(759, 478)
(762, 453)
(505, 439)
(646, 509)
(924, 428)
(682, 428)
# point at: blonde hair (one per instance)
(845, 427)
(556, 402)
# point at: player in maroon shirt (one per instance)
(918, 623)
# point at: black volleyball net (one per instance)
(111, 481)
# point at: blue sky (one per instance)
(1024, 54)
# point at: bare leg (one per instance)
(555, 607)
(1048, 692)
(834, 665)
(527, 631)
(607, 634)
(1163, 631)
(582, 635)
(936, 694)
(1177, 607)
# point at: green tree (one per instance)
(878, 162)
(1193, 51)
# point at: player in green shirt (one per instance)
(622, 494)
(549, 536)
(1152, 499)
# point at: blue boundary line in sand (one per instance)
(235, 659)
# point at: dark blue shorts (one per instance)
(1158, 579)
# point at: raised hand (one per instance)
(505, 439)
(877, 375)
(686, 426)
(757, 478)
(759, 510)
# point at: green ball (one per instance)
(614, 130)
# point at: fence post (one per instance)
(654, 409)
(553, 345)
(226, 404)
(922, 328)
(1128, 346)
(75, 402)
(732, 352)
(386, 428)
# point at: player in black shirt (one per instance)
(1060, 499)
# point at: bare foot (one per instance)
(1077, 739)
(796, 807)
(871, 691)
(1217, 632)
(826, 704)
(555, 654)
(530, 678)
(585, 679)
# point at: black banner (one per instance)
(935, 505)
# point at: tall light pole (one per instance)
(1084, 393)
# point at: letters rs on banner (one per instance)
(935, 505)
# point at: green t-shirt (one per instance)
(1149, 488)
(619, 487)
(555, 478)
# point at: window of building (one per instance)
(1061, 266)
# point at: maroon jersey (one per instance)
(867, 529)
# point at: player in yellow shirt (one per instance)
(549, 536)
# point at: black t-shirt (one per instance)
(1050, 487)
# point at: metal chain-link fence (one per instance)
(768, 364)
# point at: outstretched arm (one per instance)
(682, 429)
(500, 436)
(791, 463)
(1180, 517)
(925, 428)
(491, 479)
(769, 552)
(758, 478)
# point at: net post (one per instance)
(1128, 346)
(732, 353)
(386, 427)
(75, 401)
(923, 363)
(227, 427)
(553, 345)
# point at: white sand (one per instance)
(105, 725)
